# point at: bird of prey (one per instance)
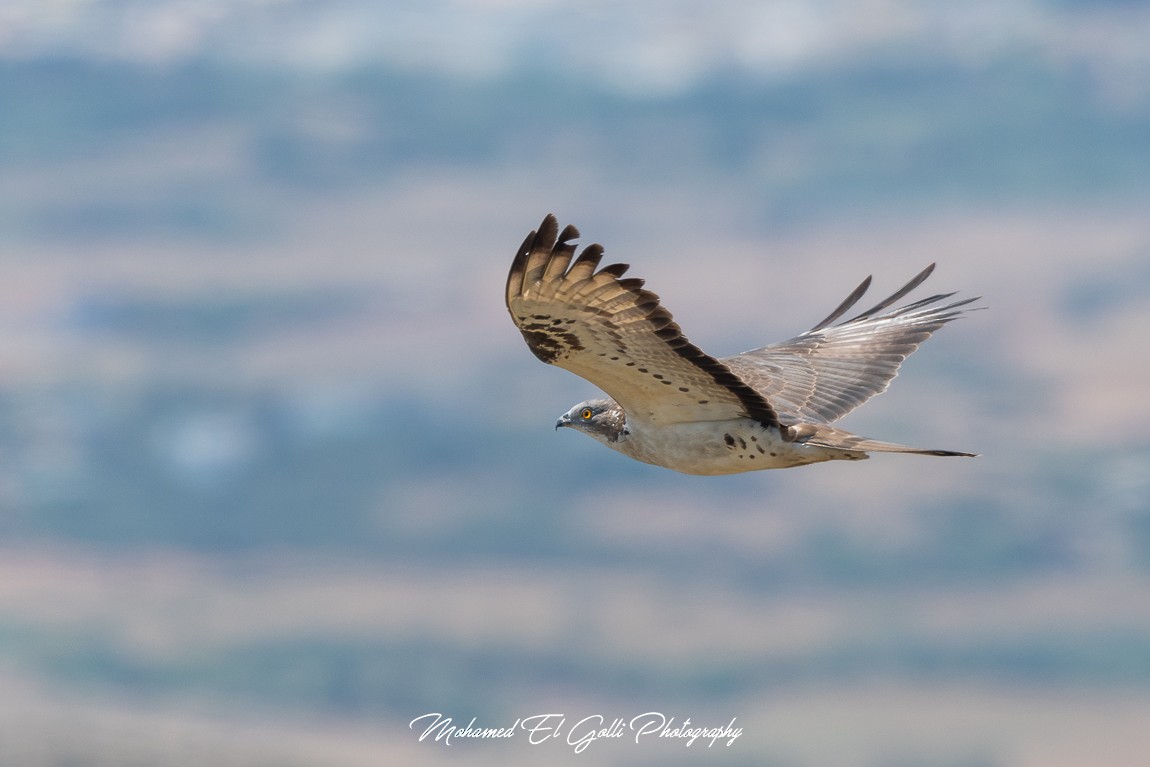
(676, 406)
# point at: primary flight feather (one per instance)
(671, 404)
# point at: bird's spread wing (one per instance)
(830, 370)
(615, 334)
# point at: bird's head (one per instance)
(602, 419)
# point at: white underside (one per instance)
(721, 447)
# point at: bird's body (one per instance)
(673, 405)
(720, 447)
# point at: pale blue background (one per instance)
(277, 474)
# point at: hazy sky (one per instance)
(648, 45)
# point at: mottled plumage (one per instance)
(673, 405)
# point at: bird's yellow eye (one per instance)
(586, 414)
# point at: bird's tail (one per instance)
(820, 435)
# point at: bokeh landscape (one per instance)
(278, 475)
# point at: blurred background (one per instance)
(278, 475)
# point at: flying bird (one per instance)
(671, 404)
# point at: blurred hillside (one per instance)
(279, 476)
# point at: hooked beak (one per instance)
(564, 420)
